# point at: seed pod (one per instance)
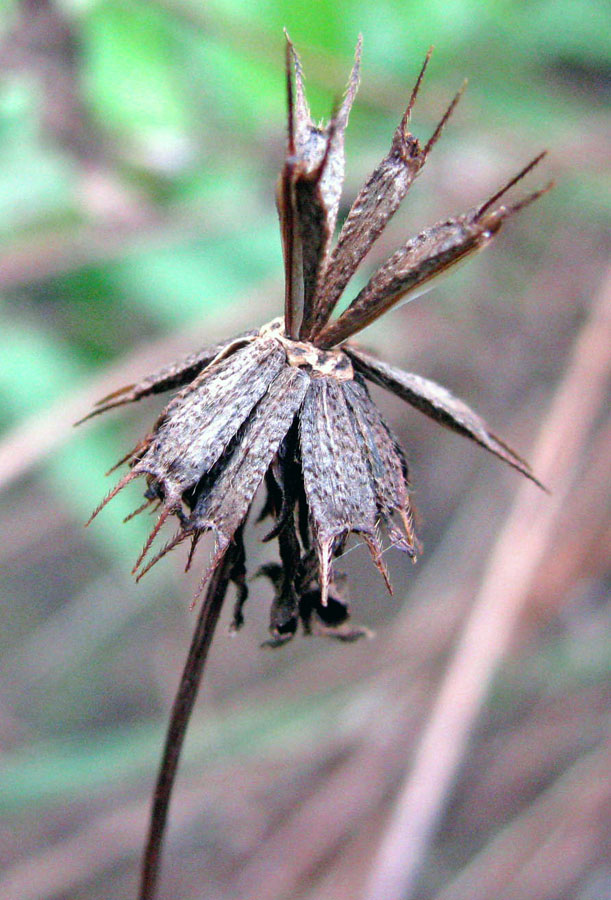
(287, 406)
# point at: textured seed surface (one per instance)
(311, 140)
(172, 376)
(423, 257)
(340, 496)
(376, 203)
(309, 194)
(183, 372)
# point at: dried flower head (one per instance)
(287, 405)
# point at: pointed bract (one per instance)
(340, 498)
(373, 208)
(175, 375)
(438, 403)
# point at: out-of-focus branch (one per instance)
(109, 840)
(43, 44)
(521, 547)
(339, 803)
(548, 844)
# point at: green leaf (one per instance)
(36, 182)
(174, 284)
(131, 76)
(59, 770)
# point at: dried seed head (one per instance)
(287, 406)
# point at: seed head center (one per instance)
(304, 354)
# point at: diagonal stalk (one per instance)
(179, 720)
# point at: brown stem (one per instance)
(179, 720)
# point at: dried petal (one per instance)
(438, 403)
(238, 577)
(284, 611)
(283, 481)
(331, 619)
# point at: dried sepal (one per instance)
(375, 205)
(411, 269)
(169, 377)
(438, 403)
(193, 431)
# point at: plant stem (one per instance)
(179, 720)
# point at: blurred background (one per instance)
(139, 147)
